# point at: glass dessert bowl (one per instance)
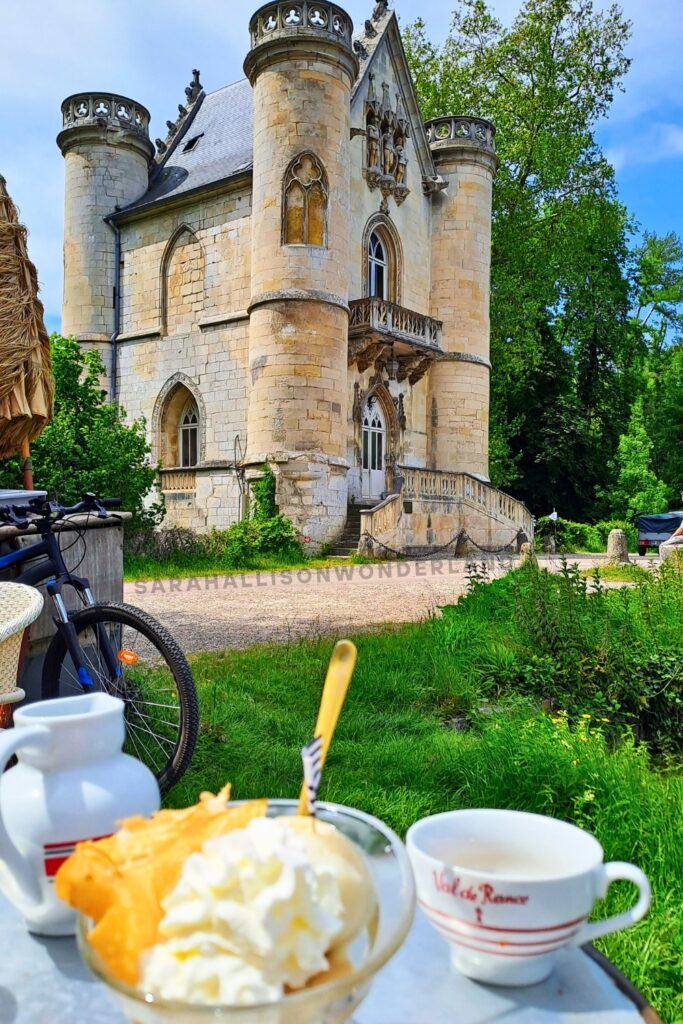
(330, 999)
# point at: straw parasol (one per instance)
(26, 385)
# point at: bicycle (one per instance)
(113, 647)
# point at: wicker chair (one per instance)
(19, 607)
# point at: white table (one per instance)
(44, 980)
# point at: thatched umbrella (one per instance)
(26, 385)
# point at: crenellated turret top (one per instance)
(98, 108)
(88, 114)
(278, 25)
(446, 132)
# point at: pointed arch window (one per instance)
(188, 435)
(305, 202)
(378, 268)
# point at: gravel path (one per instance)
(213, 612)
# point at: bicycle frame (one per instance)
(51, 570)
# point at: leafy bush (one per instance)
(574, 646)
(88, 446)
(572, 537)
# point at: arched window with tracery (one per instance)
(378, 268)
(305, 202)
(178, 425)
(188, 435)
(382, 260)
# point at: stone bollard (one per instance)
(526, 554)
(617, 547)
(365, 546)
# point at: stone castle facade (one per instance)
(297, 275)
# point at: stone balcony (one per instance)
(377, 327)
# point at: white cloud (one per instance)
(658, 142)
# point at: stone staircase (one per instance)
(347, 543)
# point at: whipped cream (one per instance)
(250, 915)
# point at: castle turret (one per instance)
(464, 153)
(106, 148)
(301, 66)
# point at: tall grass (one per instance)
(423, 731)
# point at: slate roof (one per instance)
(224, 119)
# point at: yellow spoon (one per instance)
(339, 672)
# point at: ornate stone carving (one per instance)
(419, 371)
(101, 109)
(194, 88)
(193, 92)
(473, 131)
(281, 18)
(304, 203)
(372, 131)
(401, 412)
(387, 132)
(433, 183)
(380, 10)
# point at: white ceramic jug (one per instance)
(72, 782)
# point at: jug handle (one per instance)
(24, 879)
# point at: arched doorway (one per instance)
(373, 450)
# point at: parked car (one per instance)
(654, 530)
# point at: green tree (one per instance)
(637, 488)
(560, 291)
(657, 286)
(88, 446)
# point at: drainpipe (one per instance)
(117, 306)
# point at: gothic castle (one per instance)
(297, 275)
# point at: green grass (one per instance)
(630, 573)
(181, 565)
(397, 755)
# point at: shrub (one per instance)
(574, 646)
(88, 446)
(265, 531)
(573, 537)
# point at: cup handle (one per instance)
(617, 870)
(21, 875)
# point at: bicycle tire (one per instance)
(54, 680)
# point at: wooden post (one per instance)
(26, 466)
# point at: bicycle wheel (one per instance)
(153, 679)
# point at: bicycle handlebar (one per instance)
(16, 514)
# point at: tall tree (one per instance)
(637, 488)
(560, 299)
(657, 298)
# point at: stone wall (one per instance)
(431, 524)
(298, 330)
(198, 258)
(214, 503)
(461, 267)
(411, 222)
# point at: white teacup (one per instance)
(508, 889)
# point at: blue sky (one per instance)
(146, 49)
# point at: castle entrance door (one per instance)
(373, 450)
